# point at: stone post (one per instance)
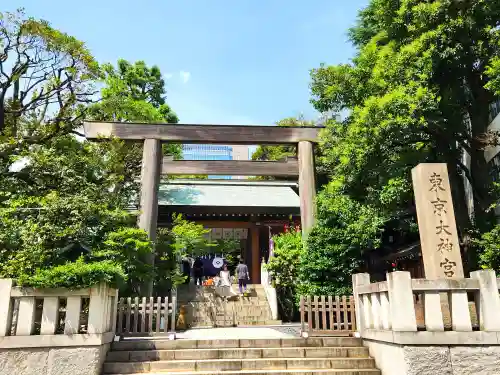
(50, 315)
(150, 182)
(114, 312)
(385, 310)
(433, 315)
(359, 279)
(99, 314)
(6, 306)
(376, 311)
(307, 186)
(436, 222)
(488, 301)
(26, 316)
(402, 309)
(72, 320)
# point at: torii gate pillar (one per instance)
(150, 183)
(307, 186)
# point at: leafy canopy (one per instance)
(418, 90)
(134, 93)
(283, 268)
(334, 247)
(63, 202)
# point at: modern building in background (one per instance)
(216, 152)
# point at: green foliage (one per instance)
(132, 250)
(280, 152)
(189, 238)
(46, 75)
(283, 265)
(184, 239)
(489, 242)
(418, 90)
(168, 272)
(134, 93)
(60, 206)
(283, 268)
(75, 275)
(408, 89)
(230, 248)
(334, 247)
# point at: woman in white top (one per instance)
(225, 279)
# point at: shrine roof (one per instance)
(228, 193)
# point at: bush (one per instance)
(334, 247)
(283, 268)
(76, 275)
(131, 249)
(489, 249)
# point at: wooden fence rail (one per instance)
(327, 315)
(146, 315)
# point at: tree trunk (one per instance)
(479, 121)
(462, 217)
(2, 112)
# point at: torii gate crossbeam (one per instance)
(154, 134)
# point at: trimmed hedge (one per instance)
(76, 275)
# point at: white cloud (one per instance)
(185, 76)
(168, 75)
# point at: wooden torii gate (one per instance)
(153, 164)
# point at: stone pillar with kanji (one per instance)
(436, 222)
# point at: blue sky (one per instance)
(239, 62)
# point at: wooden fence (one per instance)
(332, 315)
(146, 316)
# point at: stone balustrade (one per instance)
(70, 312)
(389, 305)
(265, 280)
(401, 343)
(49, 331)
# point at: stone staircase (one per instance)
(333, 355)
(206, 309)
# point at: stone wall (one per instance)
(53, 361)
(394, 359)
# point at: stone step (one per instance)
(237, 353)
(243, 301)
(262, 306)
(276, 372)
(165, 344)
(231, 314)
(238, 322)
(238, 364)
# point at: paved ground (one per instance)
(268, 332)
(261, 332)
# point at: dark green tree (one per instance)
(266, 152)
(334, 247)
(62, 201)
(134, 93)
(45, 75)
(418, 90)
